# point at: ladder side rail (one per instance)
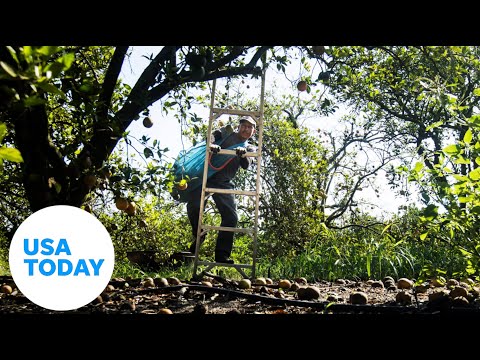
(204, 180)
(259, 166)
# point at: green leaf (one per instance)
(451, 98)
(476, 92)
(48, 50)
(474, 174)
(55, 68)
(8, 69)
(33, 101)
(461, 178)
(467, 138)
(67, 60)
(87, 88)
(423, 236)
(471, 270)
(461, 160)
(47, 87)
(425, 196)
(475, 209)
(13, 54)
(3, 131)
(61, 64)
(451, 149)
(10, 154)
(465, 252)
(434, 125)
(430, 212)
(147, 152)
(28, 54)
(477, 160)
(458, 188)
(386, 228)
(418, 166)
(475, 119)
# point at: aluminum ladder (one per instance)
(215, 113)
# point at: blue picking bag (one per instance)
(189, 165)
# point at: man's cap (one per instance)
(249, 120)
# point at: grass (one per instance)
(330, 259)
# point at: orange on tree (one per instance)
(302, 85)
(90, 180)
(121, 203)
(318, 50)
(182, 184)
(147, 122)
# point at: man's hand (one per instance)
(215, 148)
(241, 152)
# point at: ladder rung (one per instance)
(226, 228)
(232, 152)
(236, 112)
(231, 191)
(247, 266)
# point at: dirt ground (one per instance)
(215, 295)
(220, 316)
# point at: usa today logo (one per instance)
(61, 258)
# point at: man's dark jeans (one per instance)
(228, 211)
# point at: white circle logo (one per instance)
(61, 258)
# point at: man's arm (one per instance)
(246, 161)
(221, 133)
(216, 135)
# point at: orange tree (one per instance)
(417, 96)
(423, 98)
(66, 108)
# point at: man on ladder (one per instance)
(224, 152)
(222, 179)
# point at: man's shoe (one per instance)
(224, 260)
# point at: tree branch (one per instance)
(110, 81)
